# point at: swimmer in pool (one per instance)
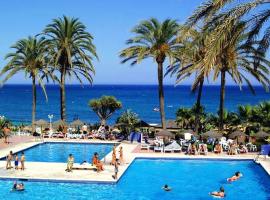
(235, 177)
(166, 188)
(220, 193)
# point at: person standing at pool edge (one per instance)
(70, 163)
(22, 161)
(16, 162)
(9, 159)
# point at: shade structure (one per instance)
(76, 123)
(59, 123)
(165, 133)
(41, 122)
(236, 134)
(142, 124)
(211, 134)
(262, 135)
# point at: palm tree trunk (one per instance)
(63, 96)
(198, 105)
(34, 100)
(222, 99)
(161, 95)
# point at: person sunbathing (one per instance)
(97, 162)
(220, 193)
(218, 148)
(235, 177)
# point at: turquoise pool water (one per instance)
(58, 152)
(190, 179)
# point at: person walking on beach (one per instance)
(16, 162)
(9, 159)
(22, 161)
(6, 132)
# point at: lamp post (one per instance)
(50, 116)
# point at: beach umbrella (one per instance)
(171, 124)
(76, 123)
(165, 133)
(41, 123)
(262, 135)
(59, 123)
(211, 134)
(236, 134)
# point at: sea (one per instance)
(16, 101)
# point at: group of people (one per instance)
(16, 159)
(221, 192)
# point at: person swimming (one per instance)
(236, 176)
(166, 188)
(17, 186)
(220, 193)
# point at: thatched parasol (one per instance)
(76, 123)
(236, 134)
(165, 133)
(41, 123)
(262, 135)
(211, 134)
(60, 123)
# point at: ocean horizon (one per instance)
(16, 100)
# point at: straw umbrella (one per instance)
(262, 135)
(41, 123)
(165, 133)
(60, 123)
(76, 123)
(211, 134)
(239, 136)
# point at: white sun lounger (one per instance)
(85, 166)
(145, 147)
(158, 149)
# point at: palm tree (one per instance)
(72, 52)
(192, 50)
(30, 57)
(227, 49)
(155, 40)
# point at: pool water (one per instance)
(58, 152)
(189, 179)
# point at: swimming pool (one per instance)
(59, 151)
(190, 179)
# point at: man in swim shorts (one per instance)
(235, 177)
(220, 193)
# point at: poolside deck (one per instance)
(56, 171)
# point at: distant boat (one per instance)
(156, 109)
(169, 106)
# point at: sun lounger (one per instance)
(85, 166)
(145, 147)
(173, 147)
(265, 151)
(202, 149)
(158, 149)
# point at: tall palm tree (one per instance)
(72, 52)
(30, 57)
(153, 39)
(227, 49)
(192, 49)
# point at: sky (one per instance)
(109, 22)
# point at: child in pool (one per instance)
(220, 193)
(235, 177)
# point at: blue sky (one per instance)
(109, 22)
